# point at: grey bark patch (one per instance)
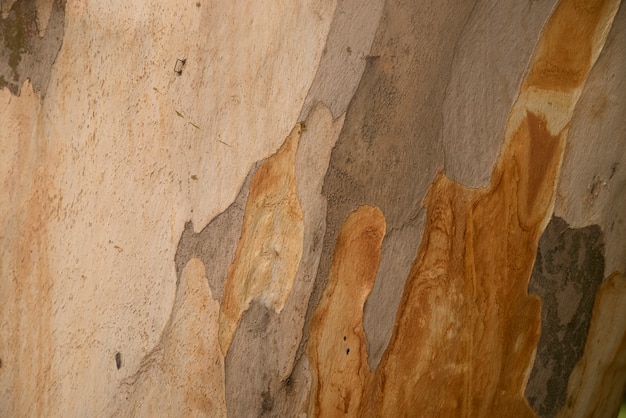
(248, 372)
(350, 36)
(271, 351)
(253, 382)
(398, 251)
(23, 54)
(593, 178)
(490, 61)
(216, 244)
(567, 273)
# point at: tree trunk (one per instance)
(336, 208)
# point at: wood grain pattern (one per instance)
(466, 329)
(260, 376)
(107, 156)
(570, 44)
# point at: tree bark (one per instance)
(338, 208)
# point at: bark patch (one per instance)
(23, 53)
(567, 272)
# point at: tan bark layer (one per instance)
(467, 329)
(100, 175)
(570, 44)
(261, 374)
(270, 248)
(126, 151)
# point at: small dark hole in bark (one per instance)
(347, 351)
(118, 360)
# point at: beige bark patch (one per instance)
(121, 162)
(270, 248)
(184, 374)
(261, 369)
(29, 201)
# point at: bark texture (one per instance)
(314, 208)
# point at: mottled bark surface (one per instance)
(32, 34)
(337, 208)
(566, 275)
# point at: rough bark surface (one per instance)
(567, 272)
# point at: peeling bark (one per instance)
(337, 346)
(375, 264)
(467, 330)
(184, 374)
(270, 246)
(598, 383)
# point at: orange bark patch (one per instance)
(269, 251)
(425, 365)
(337, 347)
(565, 53)
(536, 155)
